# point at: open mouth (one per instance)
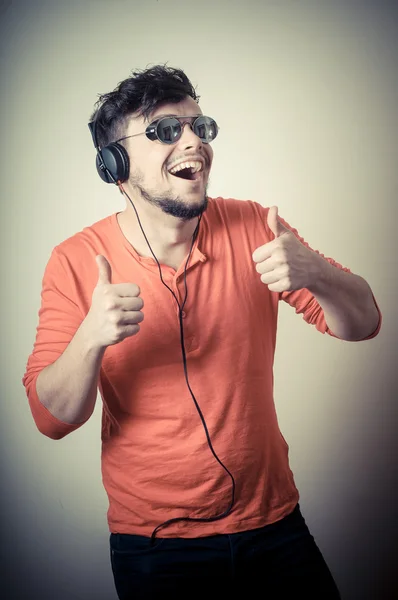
(185, 174)
(189, 171)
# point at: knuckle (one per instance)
(133, 329)
(137, 304)
(109, 303)
(114, 318)
(106, 290)
(136, 318)
(286, 282)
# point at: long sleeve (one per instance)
(59, 318)
(303, 301)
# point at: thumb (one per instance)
(274, 223)
(104, 269)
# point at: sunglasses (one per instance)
(168, 130)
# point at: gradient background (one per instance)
(306, 96)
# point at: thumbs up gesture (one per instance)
(285, 264)
(115, 311)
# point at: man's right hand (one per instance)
(115, 311)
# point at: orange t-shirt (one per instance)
(156, 461)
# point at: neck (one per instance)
(167, 235)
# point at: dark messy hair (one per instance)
(143, 92)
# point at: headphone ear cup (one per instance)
(113, 163)
(101, 170)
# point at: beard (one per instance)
(170, 205)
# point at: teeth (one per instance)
(195, 166)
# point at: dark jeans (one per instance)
(277, 561)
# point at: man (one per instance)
(202, 500)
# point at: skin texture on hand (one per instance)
(284, 263)
(115, 311)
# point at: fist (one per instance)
(285, 264)
(115, 311)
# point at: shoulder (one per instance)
(233, 208)
(74, 257)
(89, 237)
(240, 217)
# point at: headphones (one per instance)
(112, 161)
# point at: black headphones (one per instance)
(112, 161)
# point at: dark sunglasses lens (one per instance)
(206, 129)
(168, 130)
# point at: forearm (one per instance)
(68, 387)
(347, 301)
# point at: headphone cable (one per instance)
(181, 307)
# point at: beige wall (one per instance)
(306, 96)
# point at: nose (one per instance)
(189, 139)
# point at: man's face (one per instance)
(151, 162)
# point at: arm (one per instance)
(347, 301)
(328, 295)
(63, 370)
(68, 387)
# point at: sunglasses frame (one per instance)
(152, 133)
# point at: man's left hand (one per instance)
(285, 264)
